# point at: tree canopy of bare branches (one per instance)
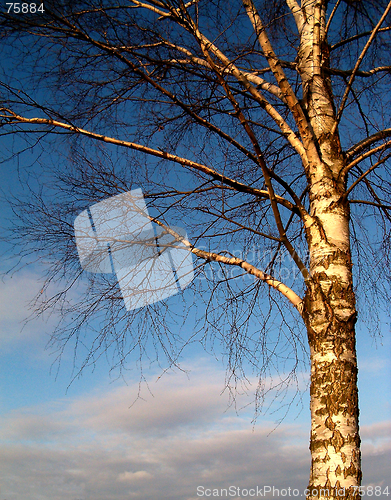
(264, 128)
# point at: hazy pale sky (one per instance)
(174, 437)
(97, 441)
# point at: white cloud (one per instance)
(376, 431)
(134, 477)
(375, 366)
(16, 295)
(101, 447)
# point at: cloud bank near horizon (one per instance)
(101, 447)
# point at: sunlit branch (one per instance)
(295, 207)
(250, 269)
(278, 72)
(372, 203)
(151, 7)
(331, 16)
(266, 173)
(357, 148)
(375, 196)
(12, 118)
(282, 124)
(77, 33)
(262, 101)
(362, 157)
(365, 174)
(356, 37)
(355, 69)
(189, 4)
(364, 74)
(251, 77)
(236, 261)
(297, 14)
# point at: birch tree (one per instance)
(274, 113)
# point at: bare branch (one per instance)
(78, 33)
(156, 10)
(373, 193)
(297, 13)
(265, 170)
(359, 60)
(11, 117)
(331, 16)
(365, 174)
(362, 157)
(368, 141)
(235, 261)
(189, 4)
(264, 103)
(357, 37)
(278, 72)
(372, 203)
(251, 77)
(364, 74)
(250, 269)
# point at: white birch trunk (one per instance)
(330, 317)
(329, 309)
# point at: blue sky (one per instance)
(101, 438)
(98, 437)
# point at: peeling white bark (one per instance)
(329, 306)
(334, 415)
